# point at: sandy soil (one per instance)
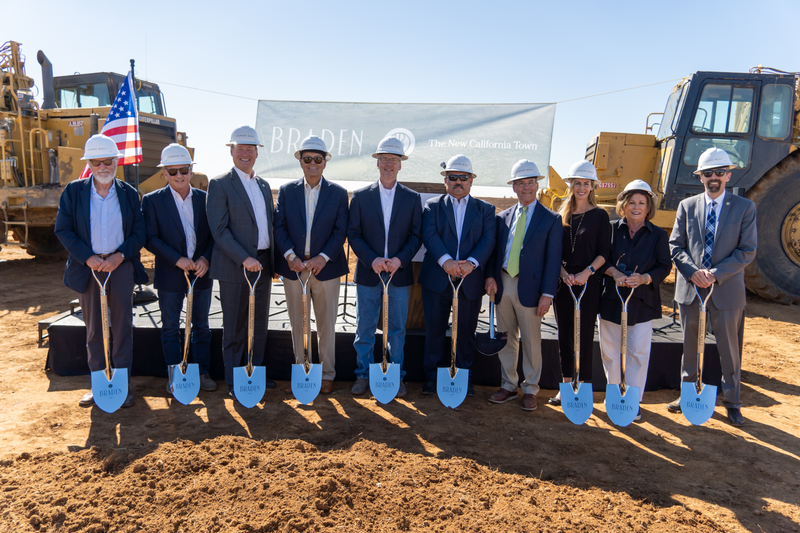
(351, 464)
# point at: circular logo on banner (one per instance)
(406, 137)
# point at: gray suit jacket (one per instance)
(734, 248)
(233, 224)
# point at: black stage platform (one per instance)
(67, 347)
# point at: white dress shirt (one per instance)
(311, 195)
(105, 220)
(459, 210)
(717, 209)
(259, 207)
(517, 213)
(387, 202)
(186, 212)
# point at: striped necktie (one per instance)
(711, 223)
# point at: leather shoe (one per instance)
(327, 386)
(735, 416)
(206, 383)
(230, 392)
(87, 400)
(555, 401)
(503, 396)
(360, 387)
(128, 401)
(401, 390)
(269, 384)
(429, 387)
(638, 416)
(288, 389)
(529, 402)
(674, 406)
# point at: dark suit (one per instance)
(233, 225)
(328, 232)
(166, 239)
(539, 269)
(73, 229)
(734, 248)
(440, 237)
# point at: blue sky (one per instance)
(413, 51)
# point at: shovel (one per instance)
(487, 343)
(306, 378)
(384, 377)
(184, 378)
(698, 399)
(452, 382)
(250, 381)
(109, 386)
(622, 402)
(576, 397)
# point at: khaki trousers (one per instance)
(519, 321)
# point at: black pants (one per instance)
(437, 306)
(565, 310)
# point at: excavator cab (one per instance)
(99, 89)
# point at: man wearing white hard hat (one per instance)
(458, 232)
(100, 224)
(523, 272)
(310, 229)
(713, 240)
(179, 236)
(384, 232)
(240, 216)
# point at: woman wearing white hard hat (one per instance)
(640, 261)
(586, 245)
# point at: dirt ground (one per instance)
(351, 464)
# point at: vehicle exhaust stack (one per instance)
(47, 81)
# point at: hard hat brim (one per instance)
(651, 194)
(249, 144)
(581, 178)
(190, 163)
(445, 171)
(401, 156)
(537, 176)
(700, 170)
(326, 154)
(84, 158)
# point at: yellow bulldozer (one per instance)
(755, 118)
(41, 147)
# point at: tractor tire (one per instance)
(775, 272)
(42, 243)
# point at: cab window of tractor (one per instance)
(775, 114)
(147, 101)
(90, 95)
(724, 109)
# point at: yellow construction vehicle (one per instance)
(41, 147)
(755, 117)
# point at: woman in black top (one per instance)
(640, 261)
(586, 247)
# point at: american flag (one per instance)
(122, 125)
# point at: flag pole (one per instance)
(133, 96)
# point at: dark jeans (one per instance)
(171, 336)
(437, 306)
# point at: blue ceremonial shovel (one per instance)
(698, 399)
(622, 402)
(184, 378)
(109, 386)
(452, 382)
(306, 378)
(576, 397)
(250, 381)
(384, 377)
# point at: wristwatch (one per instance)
(121, 255)
(591, 269)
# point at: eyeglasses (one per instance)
(458, 177)
(105, 162)
(388, 160)
(718, 173)
(528, 183)
(307, 159)
(174, 171)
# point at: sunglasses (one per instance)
(458, 177)
(105, 162)
(316, 159)
(174, 171)
(719, 173)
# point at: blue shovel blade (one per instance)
(452, 391)
(249, 390)
(185, 386)
(622, 409)
(110, 395)
(305, 387)
(577, 405)
(384, 386)
(697, 408)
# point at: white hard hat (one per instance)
(175, 154)
(313, 143)
(638, 186)
(583, 170)
(391, 145)
(713, 158)
(458, 163)
(100, 147)
(244, 135)
(524, 168)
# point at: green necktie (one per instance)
(516, 245)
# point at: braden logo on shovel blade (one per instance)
(577, 405)
(306, 387)
(249, 390)
(384, 387)
(110, 395)
(622, 409)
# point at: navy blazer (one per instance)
(73, 229)
(539, 259)
(367, 238)
(328, 227)
(439, 237)
(167, 240)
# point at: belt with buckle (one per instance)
(263, 251)
(105, 256)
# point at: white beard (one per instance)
(105, 180)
